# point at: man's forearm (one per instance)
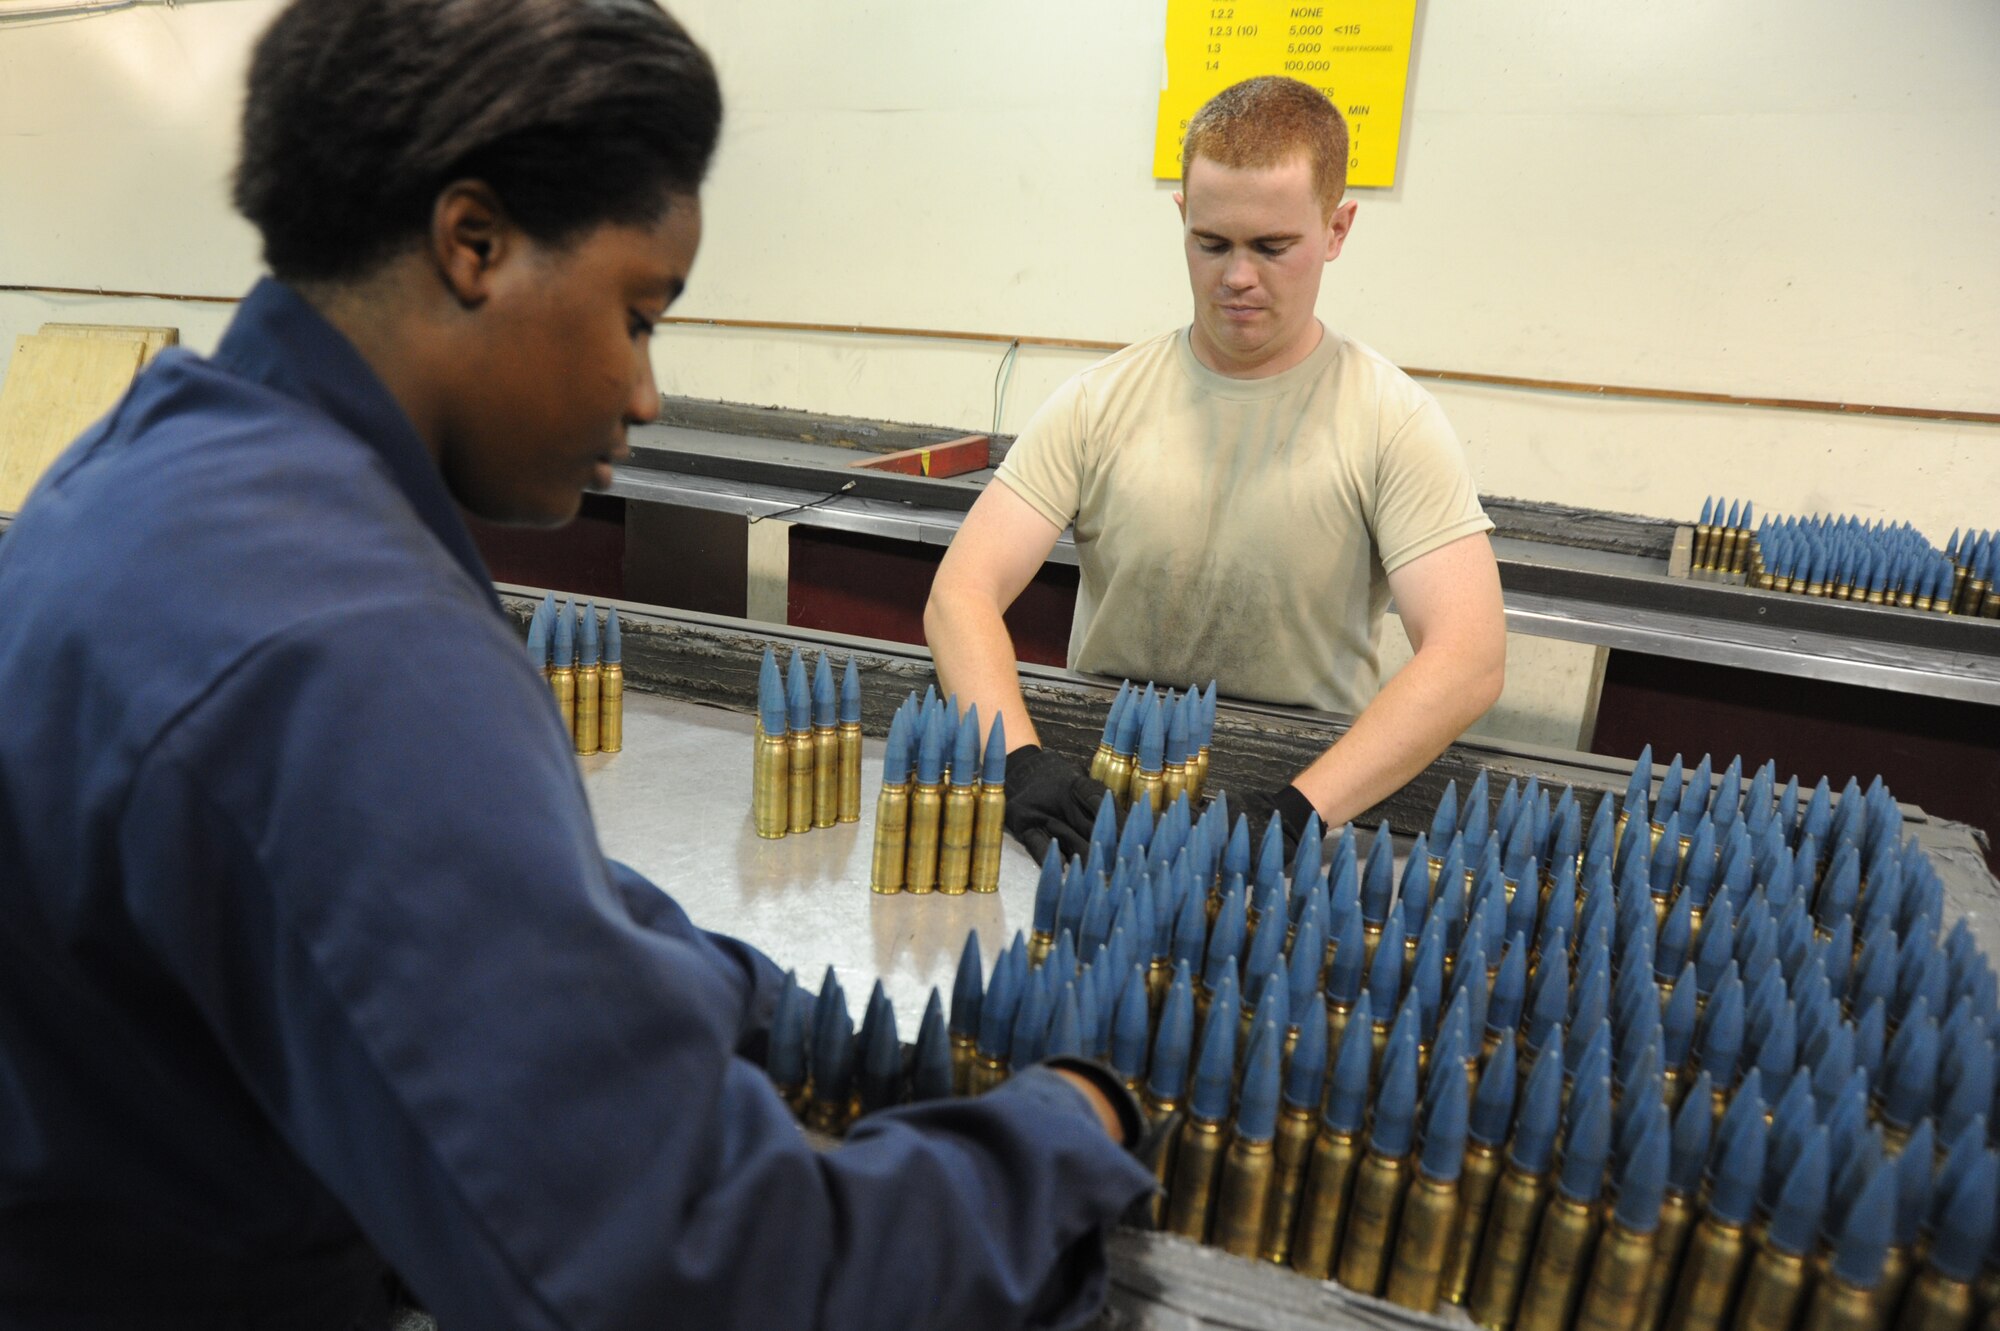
(974, 658)
(1418, 713)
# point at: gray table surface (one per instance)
(675, 805)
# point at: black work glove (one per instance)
(1288, 802)
(1049, 799)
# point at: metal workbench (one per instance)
(1576, 575)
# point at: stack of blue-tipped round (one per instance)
(1699, 940)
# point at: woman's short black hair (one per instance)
(359, 112)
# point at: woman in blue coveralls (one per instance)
(313, 977)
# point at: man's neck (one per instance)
(1268, 366)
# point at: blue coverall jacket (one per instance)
(312, 969)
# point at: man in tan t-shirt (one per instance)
(1247, 494)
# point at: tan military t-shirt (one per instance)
(1242, 530)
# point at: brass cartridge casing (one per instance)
(826, 776)
(1146, 786)
(1293, 1150)
(1556, 1272)
(1502, 1268)
(799, 781)
(920, 870)
(1323, 1203)
(1710, 1272)
(1157, 1111)
(1372, 1212)
(955, 840)
(1619, 1276)
(964, 1049)
(1198, 776)
(1772, 1291)
(1896, 1271)
(848, 741)
(1416, 1272)
(892, 831)
(984, 1074)
(1985, 1292)
(1677, 1215)
(1100, 761)
(770, 777)
(1905, 598)
(585, 732)
(1336, 1025)
(1118, 779)
(1433, 866)
(1703, 532)
(611, 709)
(1173, 783)
(562, 683)
(1894, 1138)
(1197, 1167)
(989, 833)
(1475, 1197)
(1039, 947)
(825, 1116)
(1248, 1168)
(1933, 1303)
(1159, 978)
(1836, 1305)
(1371, 938)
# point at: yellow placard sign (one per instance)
(1355, 51)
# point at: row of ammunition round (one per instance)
(941, 817)
(806, 764)
(1755, 1079)
(589, 691)
(830, 1074)
(1846, 559)
(1155, 749)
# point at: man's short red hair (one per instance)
(1264, 121)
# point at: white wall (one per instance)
(1795, 199)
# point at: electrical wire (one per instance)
(58, 13)
(1001, 378)
(800, 508)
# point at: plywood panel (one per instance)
(154, 339)
(56, 386)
